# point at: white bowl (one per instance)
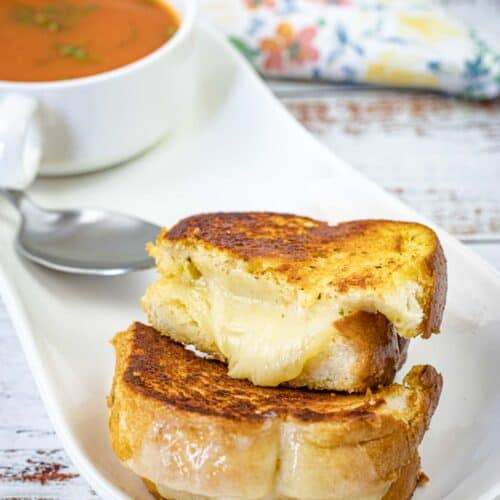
(94, 122)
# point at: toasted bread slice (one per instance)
(264, 292)
(187, 427)
(364, 352)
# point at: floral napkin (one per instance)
(407, 43)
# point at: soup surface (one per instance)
(42, 40)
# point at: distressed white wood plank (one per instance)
(40, 473)
(32, 462)
(440, 155)
(23, 420)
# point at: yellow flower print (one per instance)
(390, 69)
(431, 29)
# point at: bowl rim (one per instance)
(186, 27)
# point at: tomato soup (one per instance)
(43, 40)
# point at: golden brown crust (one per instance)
(166, 403)
(152, 489)
(380, 353)
(348, 256)
(432, 384)
(436, 265)
(404, 486)
(162, 370)
(257, 234)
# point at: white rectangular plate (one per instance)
(239, 150)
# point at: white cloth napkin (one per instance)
(407, 43)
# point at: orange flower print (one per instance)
(288, 46)
(255, 4)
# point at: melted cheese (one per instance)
(266, 331)
(265, 342)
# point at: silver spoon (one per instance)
(86, 241)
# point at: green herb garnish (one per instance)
(56, 17)
(76, 52)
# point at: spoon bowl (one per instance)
(88, 241)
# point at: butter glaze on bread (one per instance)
(180, 422)
(266, 293)
(402, 488)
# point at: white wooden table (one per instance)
(440, 155)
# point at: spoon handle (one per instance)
(19, 199)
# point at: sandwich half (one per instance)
(192, 432)
(288, 299)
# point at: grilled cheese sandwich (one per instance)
(195, 433)
(265, 292)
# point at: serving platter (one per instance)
(238, 149)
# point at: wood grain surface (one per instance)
(438, 154)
